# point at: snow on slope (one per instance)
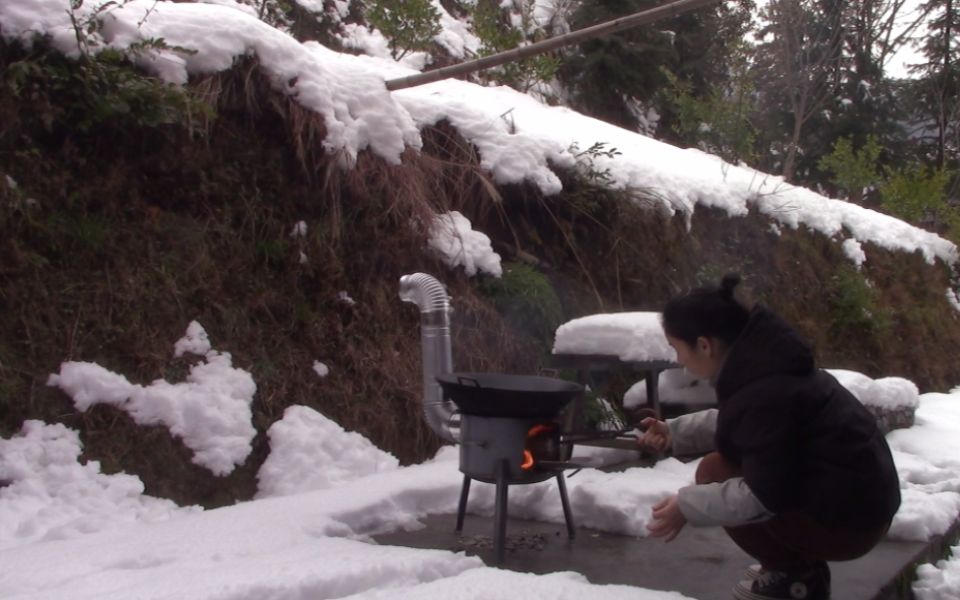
(519, 139)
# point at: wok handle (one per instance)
(461, 380)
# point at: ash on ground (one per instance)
(524, 540)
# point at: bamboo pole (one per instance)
(641, 18)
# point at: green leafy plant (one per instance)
(916, 193)
(718, 122)
(853, 170)
(601, 414)
(498, 34)
(409, 26)
(102, 84)
(527, 300)
(855, 306)
(275, 12)
(587, 167)
(592, 182)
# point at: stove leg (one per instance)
(565, 501)
(500, 511)
(462, 508)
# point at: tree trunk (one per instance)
(945, 88)
(790, 162)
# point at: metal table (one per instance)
(586, 364)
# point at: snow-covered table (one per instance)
(631, 342)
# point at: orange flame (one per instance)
(539, 428)
(527, 461)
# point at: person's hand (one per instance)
(667, 519)
(656, 436)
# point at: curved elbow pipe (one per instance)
(434, 303)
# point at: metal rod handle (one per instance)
(613, 26)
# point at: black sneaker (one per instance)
(809, 584)
(754, 571)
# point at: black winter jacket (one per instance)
(802, 440)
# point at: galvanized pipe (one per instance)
(436, 353)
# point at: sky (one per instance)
(70, 531)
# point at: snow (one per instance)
(299, 229)
(196, 341)
(210, 411)
(482, 584)
(49, 495)
(854, 251)
(324, 491)
(320, 368)
(638, 336)
(940, 581)
(304, 438)
(519, 138)
(315, 543)
(70, 531)
(679, 386)
(934, 434)
(453, 237)
(675, 386)
(886, 392)
(455, 36)
(953, 299)
(372, 42)
(358, 111)
(630, 336)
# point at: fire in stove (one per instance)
(542, 445)
(506, 425)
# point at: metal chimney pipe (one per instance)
(430, 295)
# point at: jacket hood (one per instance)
(767, 346)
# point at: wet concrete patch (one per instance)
(701, 563)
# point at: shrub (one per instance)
(916, 193)
(527, 300)
(409, 26)
(853, 170)
(855, 307)
(718, 122)
(499, 35)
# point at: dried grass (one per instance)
(204, 225)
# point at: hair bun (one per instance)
(728, 284)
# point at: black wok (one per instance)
(501, 395)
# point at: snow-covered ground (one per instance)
(68, 530)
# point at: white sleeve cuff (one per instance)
(729, 503)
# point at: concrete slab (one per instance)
(701, 563)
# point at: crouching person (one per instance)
(796, 469)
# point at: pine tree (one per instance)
(611, 77)
(797, 64)
(866, 104)
(940, 79)
(605, 75)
